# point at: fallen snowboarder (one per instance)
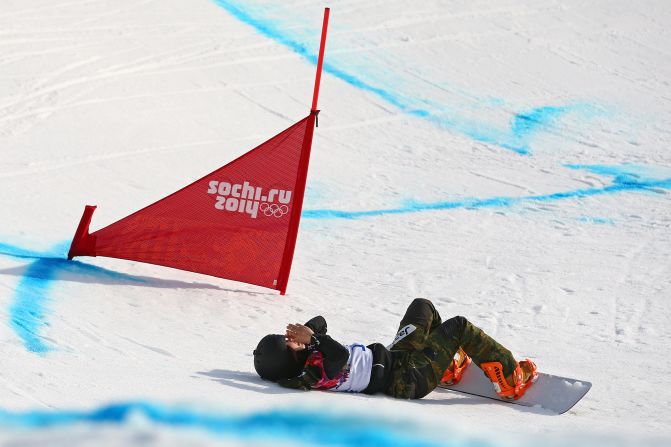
(425, 353)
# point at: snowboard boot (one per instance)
(453, 373)
(515, 385)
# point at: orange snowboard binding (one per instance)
(453, 373)
(523, 377)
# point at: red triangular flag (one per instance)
(240, 222)
(234, 223)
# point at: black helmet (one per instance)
(274, 360)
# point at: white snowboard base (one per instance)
(554, 393)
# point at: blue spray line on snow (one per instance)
(287, 426)
(627, 173)
(523, 126)
(596, 220)
(283, 426)
(18, 252)
(627, 178)
(29, 308)
(27, 312)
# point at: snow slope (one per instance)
(508, 160)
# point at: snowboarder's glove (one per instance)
(317, 324)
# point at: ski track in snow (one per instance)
(523, 125)
(29, 312)
(520, 129)
(624, 181)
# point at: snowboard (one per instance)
(554, 393)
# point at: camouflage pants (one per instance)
(425, 346)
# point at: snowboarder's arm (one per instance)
(335, 354)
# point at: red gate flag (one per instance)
(239, 222)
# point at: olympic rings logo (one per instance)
(273, 209)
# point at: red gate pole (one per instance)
(320, 60)
(290, 246)
(83, 244)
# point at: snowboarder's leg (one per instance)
(457, 367)
(419, 321)
(480, 347)
(413, 376)
(417, 373)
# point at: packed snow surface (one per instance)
(508, 160)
